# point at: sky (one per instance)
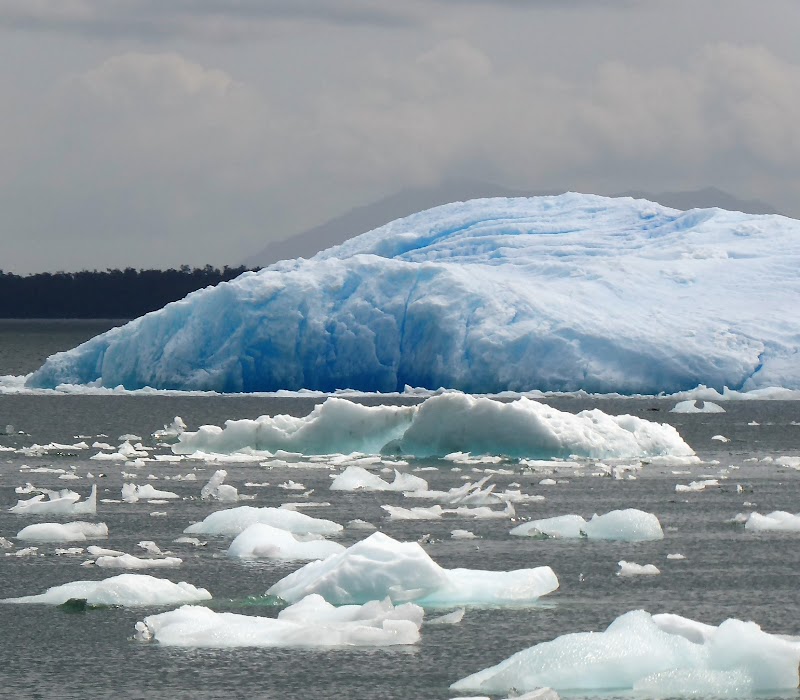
(155, 133)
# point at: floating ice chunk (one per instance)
(309, 622)
(787, 461)
(359, 524)
(69, 551)
(547, 482)
(63, 532)
(132, 493)
(25, 552)
(172, 430)
(778, 520)
(6, 544)
(233, 521)
(628, 568)
(103, 552)
(190, 540)
(463, 535)
(291, 486)
(629, 525)
(262, 541)
(676, 555)
(380, 566)
(64, 502)
(720, 438)
(694, 486)
(218, 491)
(125, 589)
(691, 406)
(451, 618)
(359, 479)
(128, 561)
(444, 424)
(635, 653)
(437, 512)
(151, 548)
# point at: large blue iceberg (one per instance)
(554, 293)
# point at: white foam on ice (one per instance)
(63, 532)
(635, 652)
(127, 590)
(627, 525)
(380, 566)
(262, 541)
(233, 521)
(311, 622)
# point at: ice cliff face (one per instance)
(553, 293)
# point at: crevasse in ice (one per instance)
(561, 292)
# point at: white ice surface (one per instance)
(311, 622)
(380, 566)
(691, 406)
(262, 541)
(627, 525)
(359, 479)
(629, 568)
(63, 532)
(128, 561)
(125, 589)
(64, 502)
(132, 493)
(233, 521)
(778, 520)
(553, 293)
(216, 490)
(635, 652)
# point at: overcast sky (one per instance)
(151, 133)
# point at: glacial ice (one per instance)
(125, 589)
(690, 406)
(216, 490)
(359, 479)
(133, 493)
(665, 658)
(128, 561)
(233, 521)
(63, 532)
(629, 568)
(311, 622)
(262, 541)
(64, 502)
(551, 293)
(778, 520)
(380, 566)
(628, 525)
(441, 425)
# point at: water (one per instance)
(46, 652)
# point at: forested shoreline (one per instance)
(110, 293)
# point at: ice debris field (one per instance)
(557, 293)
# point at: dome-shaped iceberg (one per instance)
(554, 293)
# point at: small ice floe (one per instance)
(380, 566)
(158, 514)
(359, 479)
(63, 532)
(720, 438)
(676, 555)
(437, 512)
(291, 486)
(754, 423)
(692, 406)
(6, 544)
(463, 535)
(70, 476)
(262, 541)
(25, 552)
(127, 590)
(629, 568)
(133, 493)
(190, 540)
(359, 524)
(696, 486)
(451, 618)
(311, 622)
(64, 502)
(151, 548)
(474, 494)
(171, 431)
(68, 551)
(102, 446)
(96, 551)
(656, 655)
(778, 520)
(629, 525)
(216, 490)
(547, 482)
(128, 561)
(232, 521)
(786, 461)
(125, 452)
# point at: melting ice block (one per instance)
(63, 532)
(234, 521)
(262, 541)
(691, 406)
(133, 493)
(636, 652)
(125, 589)
(64, 502)
(554, 293)
(628, 525)
(311, 622)
(778, 520)
(380, 566)
(359, 479)
(444, 424)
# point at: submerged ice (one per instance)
(443, 424)
(552, 293)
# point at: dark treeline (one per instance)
(124, 293)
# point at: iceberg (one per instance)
(628, 525)
(380, 566)
(262, 541)
(311, 622)
(216, 490)
(663, 658)
(125, 589)
(233, 521)
(441, 425)
(564, 293)
(63, 532)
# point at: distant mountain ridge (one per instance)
(409, 201)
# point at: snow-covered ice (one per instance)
(63, 532)
(552, 293)
(311, 622)
(262, 541)
(441, 425)
(233, 521)
(660, 656)
(380, 566)
(627, 525)
(125, 589)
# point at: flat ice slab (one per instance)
(662, 656)
(628, 525)
(233, 521)
(63, 532)
(380, 566)
(125, 589)
(777, 520)
(439, 426)
(554, 293)
(311, 622)
(64, 502)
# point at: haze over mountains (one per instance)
(411, 200)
